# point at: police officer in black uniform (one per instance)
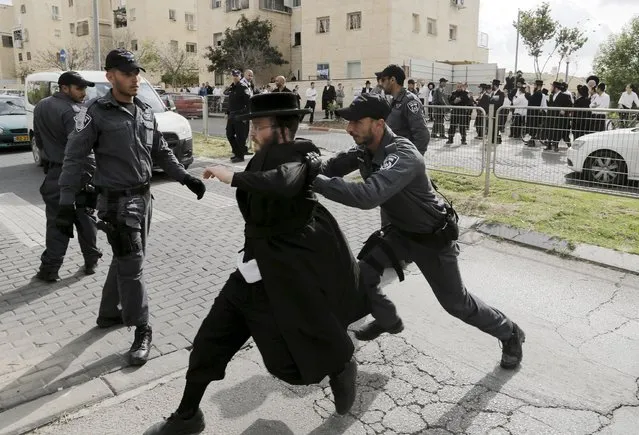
(406, 118)
(53, 121)
(123, 133)
(239, 94)
(422, 227)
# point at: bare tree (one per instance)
(145, 51)
(23, 70)
(77, 58)
(175, 64)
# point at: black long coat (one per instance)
(308, 270)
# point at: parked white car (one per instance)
(174, 127)
(607, 157)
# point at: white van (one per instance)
(174, 127)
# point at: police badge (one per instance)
(389, 161)
(82, 119)
(413, 106)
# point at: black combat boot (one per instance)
(47, 276)
(141, 347)
(512, 352)
(91, 264)
(343, 387)
(373, 329)
(177, 424)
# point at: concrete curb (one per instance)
(322, 129)
(46, 409)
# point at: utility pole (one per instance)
(517, 46)
(96, 37)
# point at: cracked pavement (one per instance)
(580, 373)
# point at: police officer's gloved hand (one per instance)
(314, 163)
(195, 185)
(65, 218)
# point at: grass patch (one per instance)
(576, 216)
(209, 146)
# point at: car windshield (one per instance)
(145, 93)
(11, 106)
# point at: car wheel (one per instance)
(606, 167)
(37, 158)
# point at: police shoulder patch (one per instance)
(82, 119)
(389, 161)
(413, 106)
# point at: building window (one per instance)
(172, 15)
(55, 13)
(70, 3)
(323, 24)
(72, 28)
(134, 45)
(23, 9)
(236, 5)
(121, 44)
(323, 71)
(19, 57)
(7, 41)
(216, 4)
(28, 55)
(82, 28)
(131, 14)
(432, 26)
(189, 19)
(354, 69)
(174, 45)
(354, 21)
(416, 23)
(483, 40)
(274, 5)
(297, 3)
(219, 78)
(57, 33)
(191, 47)
(297, 39)
(452, 33)
(217, 40)
(119, 17)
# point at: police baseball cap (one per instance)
(73, 78)
(122, 60)
(394, 71)
(236, 73)
(366, 106)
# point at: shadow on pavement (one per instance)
(50, 368)
(475, 400)
(35, 289)
(334, 424)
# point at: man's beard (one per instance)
(267, 143)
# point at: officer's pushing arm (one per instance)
(400, 168)
(342, 164)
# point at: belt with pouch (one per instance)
(118, 193)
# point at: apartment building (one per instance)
(42, 29)
(7, 64)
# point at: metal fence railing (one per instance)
(569, 147)
(458, 138)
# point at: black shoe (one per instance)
(177, 425)
(479, 137)
(464, 142)
(237, 159)
(449, 141)
(343, 387)
(512, 353)
(248, 153)
(141, 347)
(373, 329)
(45, 276)
(89, 268)
(104, 322)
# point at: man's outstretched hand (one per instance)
(195, 185)
(222, 173)
(65, 218)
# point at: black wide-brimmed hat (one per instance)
(273, 104)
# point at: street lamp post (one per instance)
(96, 36)
(517, 46)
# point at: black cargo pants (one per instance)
(131, 218)
(57, 242)
(439, 267)
(237, 133)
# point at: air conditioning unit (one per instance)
(459, 4)
(191, 26)
(17, 43)
(55, 17)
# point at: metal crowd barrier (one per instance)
(568, 147)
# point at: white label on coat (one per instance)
(82, 119)
(413, 106)
(390, 161)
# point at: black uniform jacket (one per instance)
(308, 270)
